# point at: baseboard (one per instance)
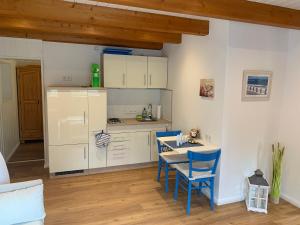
(12, 152)
(229, 200)
(290, 200)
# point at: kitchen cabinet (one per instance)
(97, 114)
(114, 71)
(157, 72)
(127, 71)
(75, 115)
(140, 147)
(118, 150)
(136, 72)
(67, 117)
(68, 158)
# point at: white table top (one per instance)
(205, 147)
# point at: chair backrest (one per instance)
(165, 134)
(212, 157)
(4, 175)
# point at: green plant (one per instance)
(278, 152)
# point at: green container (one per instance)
(95, 75)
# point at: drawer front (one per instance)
(119, 137)
(68, 158)
(118, 156)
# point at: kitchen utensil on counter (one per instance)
(158, 113)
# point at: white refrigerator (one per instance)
(74, 116)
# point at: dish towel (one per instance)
(102, 139)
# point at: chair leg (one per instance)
(199, 190)
(166, 177)
(159, 169)
(188, 207)
(176, 186)
(212, 188)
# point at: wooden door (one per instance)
(30, 103)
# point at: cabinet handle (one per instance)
(84, 117)
(150, 79)
(84, 155)
(124, 79)
(149, 139)
(144, 79)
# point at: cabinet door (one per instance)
(68, 158)
(114, 71)
(97, 156)
(157, 72)
(154, 150)
(67, 117)
(97, 110)
(136, 71)
(140, 147)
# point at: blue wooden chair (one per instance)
(167, 160)
(199, 173)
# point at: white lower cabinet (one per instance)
(97, 156)
(140, 147)
(68, 158)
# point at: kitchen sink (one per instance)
(147, 120)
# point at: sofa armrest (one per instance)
(19, 185)
(22, 202)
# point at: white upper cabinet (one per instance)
(114, 71)
(136, 72)
(127, 71)
(157, 72)
(67, 117)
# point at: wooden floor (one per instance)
(28, 151)
(134, 197)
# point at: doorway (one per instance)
(26, 88)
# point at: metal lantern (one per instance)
(257, 194)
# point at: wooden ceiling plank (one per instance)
(49, 26)
(102, 16)
(236, 10)
(80, 39)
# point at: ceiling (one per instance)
(293, 4)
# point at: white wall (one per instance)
(289, 128)
(249, 128)
(197, 58)
(244, 130)
(9, 108)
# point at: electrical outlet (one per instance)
(67, 78)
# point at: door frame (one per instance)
(45, 133)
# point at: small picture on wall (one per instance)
(207, 88)
(257, 85)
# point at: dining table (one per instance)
(199, 145)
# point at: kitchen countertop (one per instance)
(134, 122)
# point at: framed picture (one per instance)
(207, 88)
(257, 85)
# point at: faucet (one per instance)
(149, 115)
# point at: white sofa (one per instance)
(20, 203)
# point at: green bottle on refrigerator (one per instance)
(95, 72)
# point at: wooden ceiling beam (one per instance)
(80, 39)
(236, 10)
(102, 16)
(90, 31)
